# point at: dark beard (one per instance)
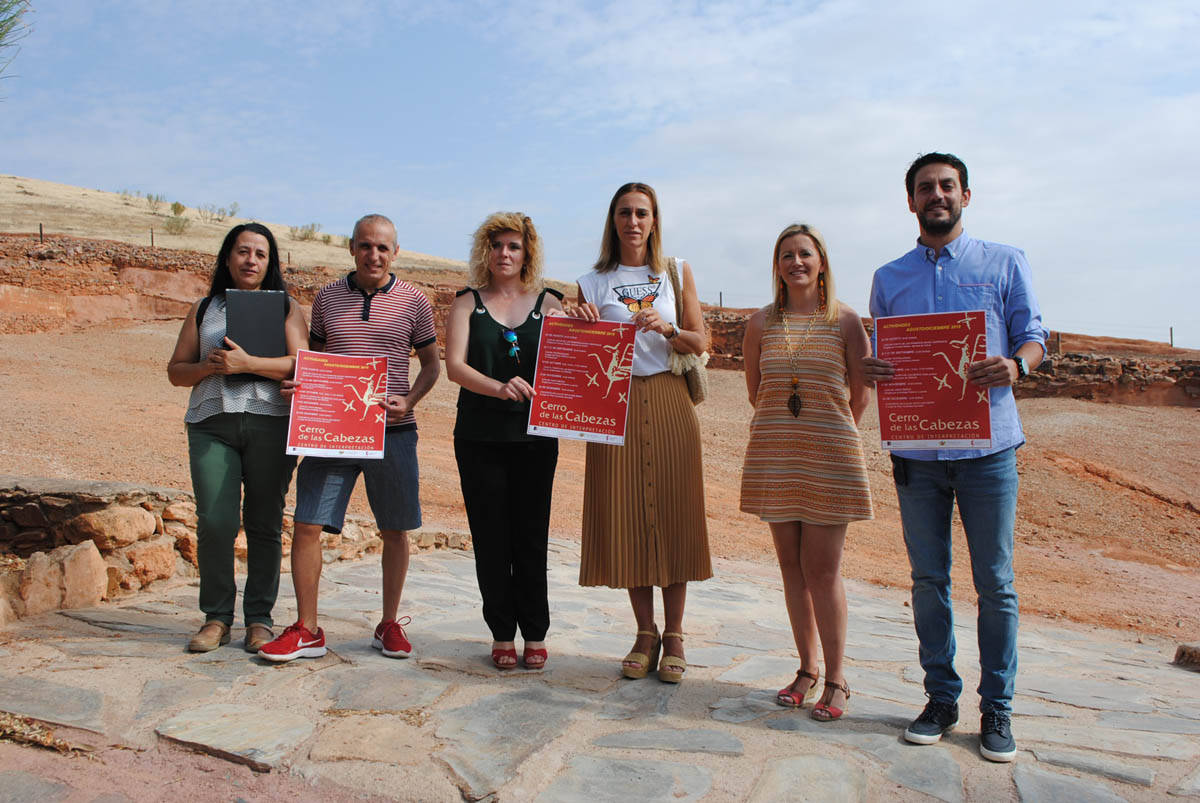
(939, 227)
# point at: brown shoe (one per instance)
(212, 635)
(257, 634)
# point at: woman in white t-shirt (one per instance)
(643, 506)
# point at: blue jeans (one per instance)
(986, 491)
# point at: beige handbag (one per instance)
(690, 366)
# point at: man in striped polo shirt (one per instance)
(369, 312)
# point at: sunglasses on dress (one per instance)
(514, 348)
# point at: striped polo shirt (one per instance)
(390, 321)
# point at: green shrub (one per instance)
(176, 225)
(126, 196)
(327, 238)
(306, 232)
(154, 202)
(211, 213)
(177, 209)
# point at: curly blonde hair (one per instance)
(828, 296)
(481, 248)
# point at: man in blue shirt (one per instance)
(950, 271)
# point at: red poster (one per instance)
(929, 404)
(336, 412)
(582, 382)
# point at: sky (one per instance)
(1079, 123)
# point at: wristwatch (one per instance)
(1022, 368)
(674, 333)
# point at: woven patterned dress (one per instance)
(808, 468)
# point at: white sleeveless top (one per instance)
(623, 292)
(218, 394)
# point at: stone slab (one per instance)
(127, 620)
(636, 699)
(1148, 722)
(880, 653)
(1083, 737)
(490, 738)
(1096, 765)
(712, 656)
(810, 779)
(758, 669)
(697, 740)
(1083, 693)
(927, 769)
(48, 701)
(601, 780)
(238, 733)
(159, 695)
(884, 685)
(580, 672)
(1036, 784)
(122, 647)
(1189, 786)
(24, 787)
(743, 709)
(609, 646)
(754, 638)
(230, 664)
(383, 739)
(388, 689)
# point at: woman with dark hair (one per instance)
(507, 475)
(643, 503)
(804, 472)
(237, 434)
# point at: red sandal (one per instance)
(824, 712)
(535, 658)
(789, 698)
(505, 659)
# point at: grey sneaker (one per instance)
(996, 742)
(936, 719)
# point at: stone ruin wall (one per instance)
(72, 544)
(1072, 375)
(80, 280)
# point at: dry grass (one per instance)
(63, 209)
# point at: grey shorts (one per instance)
(324, 485)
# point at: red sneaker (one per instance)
(390, 638)
(297, 641)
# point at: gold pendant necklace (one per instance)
(793, 403)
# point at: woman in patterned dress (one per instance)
(804, 472)
(237, 434)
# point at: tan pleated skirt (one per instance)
(643, 503)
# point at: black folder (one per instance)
(254, 320)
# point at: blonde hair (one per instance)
(481, 248)
(610, 243)
(825, 280)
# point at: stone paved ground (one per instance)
(1098, 717)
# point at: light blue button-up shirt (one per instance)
(969, 274)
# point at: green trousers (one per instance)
(227, 452)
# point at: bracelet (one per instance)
(674, 333)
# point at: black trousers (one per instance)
(506, 489)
